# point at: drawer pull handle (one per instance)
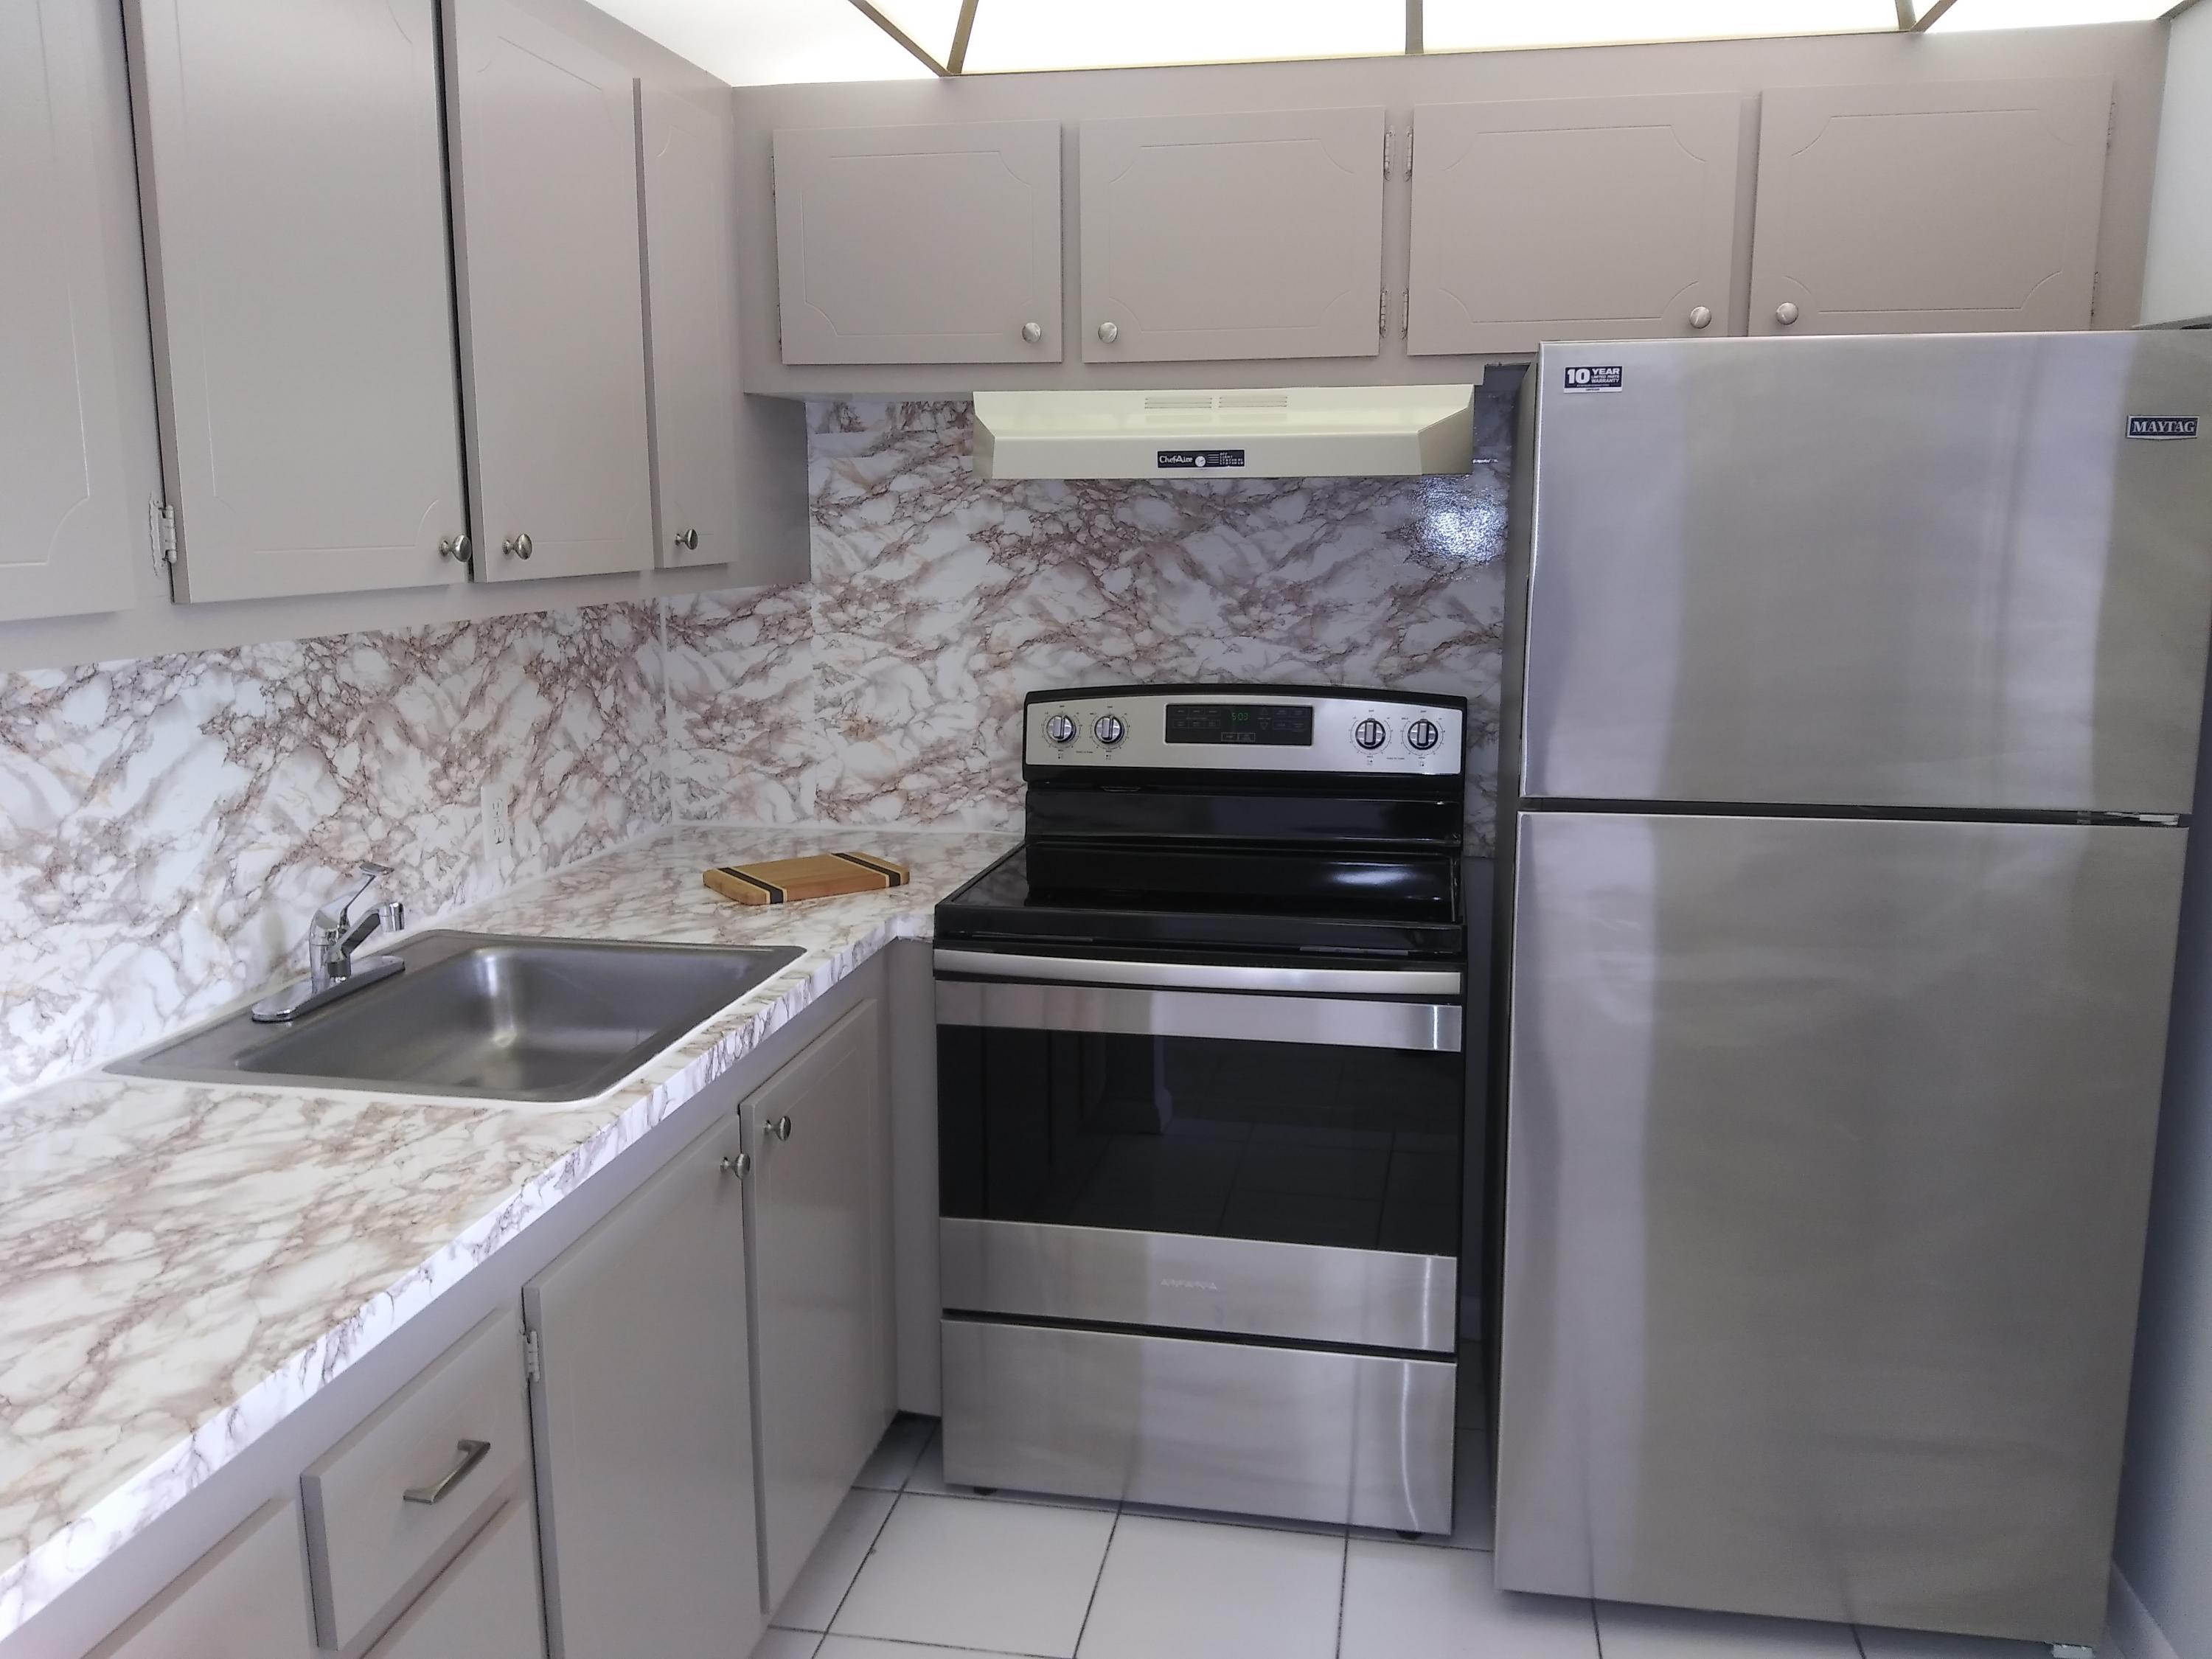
(472, 1454)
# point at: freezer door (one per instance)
(1931, 571)
(1828, 1159)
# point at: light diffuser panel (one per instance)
(2043, 14)
(1491, 25)
(1070, 34)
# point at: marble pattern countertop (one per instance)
(181, 1266)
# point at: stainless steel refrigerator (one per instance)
(1850, 732)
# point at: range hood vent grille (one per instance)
(1322, 432)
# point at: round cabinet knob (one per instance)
(1423, 734)
(1059, 729)
(1701, 316)
(517, 547)
(1032, 332)
(737, 1164)
(780, 1128)
(687, 540)
(1786, 312)
(1107, 729)
(1369, 735)
(455, 548)
(1109, 333)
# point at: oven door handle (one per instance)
(1433, 1028)
(1205, 976)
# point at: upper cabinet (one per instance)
(691, 328)
(2177, 265)
(303, 326)
(69, 525)
(1576, 218)
(920, 245)
(1251, 235)
(1913, 208)
(545, 158)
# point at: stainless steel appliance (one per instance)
(1845, 794)
(1201, 1108)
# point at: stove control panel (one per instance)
(1237, 728)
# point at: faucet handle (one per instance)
(365, 874)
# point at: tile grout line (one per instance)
(1088, 1607)
(874, 1539)
(1343, 1589)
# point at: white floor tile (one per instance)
(829, 1571)
(1472, 1521)
(1189, 1589)
(866, 1647)
(786, 1645)
(928, 1479)
(1924, 1645)
(1637, 1632)
(974, 1573)
(896, 1454)
(1235, 1518)
(1401, 1599)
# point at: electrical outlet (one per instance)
(498, 823)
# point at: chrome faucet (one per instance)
(333, 938)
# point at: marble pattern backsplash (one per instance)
(168, 825)
(889, 688)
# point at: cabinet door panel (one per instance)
(1862, 222)
(246, 1599)
(303, 302)
(1572, 218)
(1233, 236)
(691, 308)
(821, 1295)
(919, 245)
(644, 1413)
(68, 528)
(485, 1606)
(553, 314)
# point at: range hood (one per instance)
(1297, 432)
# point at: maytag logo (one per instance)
(1189, 1285)
(2161, 426)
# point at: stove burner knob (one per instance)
(1107, 730)
(1369, 735)
(1423, 734)
(1059, 729)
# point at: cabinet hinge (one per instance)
(534, 1358)
(161, 533)
(1409, 152)
(1385, 155)
(1406, 314)
(1382, 313)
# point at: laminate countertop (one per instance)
(181, 1266)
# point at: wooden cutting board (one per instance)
(820, 875)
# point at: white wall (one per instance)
(2178, 268)
(2164, 1548)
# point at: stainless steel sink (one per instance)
(483, 1015)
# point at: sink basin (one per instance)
(483, 1015)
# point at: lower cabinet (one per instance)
(821, 1284)
(245, 1599)
(485, 1606)
(644, 1420)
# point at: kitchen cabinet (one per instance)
(1929, 207)
(485, 1606)
(2177, 264)
(919, 244)
(69, 525)
(544, 160)
(644, 1418)
(1245, 235)
(691, 324)
(821, 1289)
(246, 1599)
(291, 183)
(1572, 218)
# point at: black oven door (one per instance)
(1264, 1152)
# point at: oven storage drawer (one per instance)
(1236, 1286)
(1296, 1432)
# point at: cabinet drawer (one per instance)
(245, 1599)
(373, 1521)
(485, 1606)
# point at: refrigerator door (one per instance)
(1931, 571)
(1828, 1160)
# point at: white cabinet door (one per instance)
(1572, 218)
(821, 1318)
(1233, 236)
(545, 210)
(1940, 208)
(920, 245)
(691, 327)
(68, 528)
(644, 1412)
(291, 170)
(245, 1599)
(485, 1606)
